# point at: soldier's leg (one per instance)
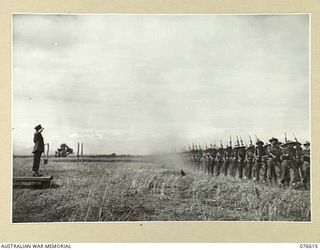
(36, 162)
(234, 169)
(270, 170)
(240, 169)
(282, 172)
(245, 170)
(203, 166)
(226, 168)
(230, 168)
(256, 171)
(218, 168)
(306, 174)
(264, 166)
(249, 170)
(253, 171)
(295, 174)
(292, 173)
(277, 173)
(208, 166)
(222, 169)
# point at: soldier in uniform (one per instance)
(234, 161)
(260, 165)
(241, 160)
(298, 162)
(199, 158)
(274, 164)
(226, 159)
(288, 167)
(249, 161)
(219, 160)
(193, 158)
(306, 165)
(38, 149)
(213, 154)
(207, 162)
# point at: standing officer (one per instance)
(38, 149)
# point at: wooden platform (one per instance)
(44, 181)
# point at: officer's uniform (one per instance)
(38, 149)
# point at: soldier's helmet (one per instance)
(288, 144)
(307, 143)
(260, 142)
(273, 139)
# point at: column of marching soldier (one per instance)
(275, 163)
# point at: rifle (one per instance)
(295, 138)
(297, 158)
(285, 137)
(214, 144)
(230, 141)
(250, 140)
(221, 145)
(242, 144)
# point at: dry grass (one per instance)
(133, 191)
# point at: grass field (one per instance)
(149, 191)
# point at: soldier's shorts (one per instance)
(241, 166)
(288, 172)
(273, 170)
(306, 174)
(249, 169)
(233, 168)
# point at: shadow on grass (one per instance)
(36, 186)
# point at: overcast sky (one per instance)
(147, 83)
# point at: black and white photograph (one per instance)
(161, 117)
